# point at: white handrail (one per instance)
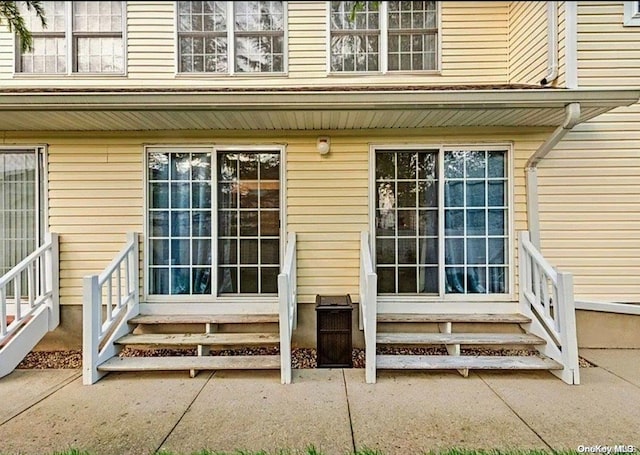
(368, 306)
(546, 295)
(41, 268)
(288, 306)
(98, 325)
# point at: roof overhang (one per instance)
(302, 109)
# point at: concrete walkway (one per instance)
(42, 411)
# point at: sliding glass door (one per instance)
(441, 221)
(213, 233)
(20, 205)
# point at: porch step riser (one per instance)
(459, 338)
(270, 362)
(429, 362)
(204, 339)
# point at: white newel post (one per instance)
(134, 267)
(285, 334)
(566, 307)
(91, 317)
(52, 278)
(370, 334)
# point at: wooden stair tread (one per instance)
(446, 362)
(174, 363)
(514, 318)
(459, 338)
(194, 339)
(204, 319)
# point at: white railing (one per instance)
(368, 307)
(27, 314)
(288, 306)
(546, 295)
(110, 300)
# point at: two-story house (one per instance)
(423, 157)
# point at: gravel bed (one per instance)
(302, 358)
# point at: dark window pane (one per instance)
(428, 194)
(180, 281)
(201, 283)
(159, 195)
(476, 251)
(227, 224)
(180, 224)
(386, 280)
(428, 222)
(249, 280)
(159, 224)
(496, 164)
(269, 166)
(180, 252)
(497, 222)
(269, 280)
(180, 195)
(428, 253)
(407, 279)
(497, 194)
(385, 165)
(269, 194)
(249, 223)
(227, 195)
(454, 280)
(406, 223)
(428, 280)
(453, 194)
(475, 194)
(385, 251)
(158, 166)
(406, 194)
(476, 222)
(454, 251)
(453, 222)
(497, 280)
(227, 280)
(407, 251)
(159, 281)
(269, 222)
(180, 166)
(476, 165)
(427, 165)
(160, 252)
(248, 251)
(407, 165)
(476, 280)
(269, 251)
(227, 166)
(201, 166)
(248, 166)
(201, 252)
(248, 195)
(386, 222)
(227, 251)
(454, 165)
(201, 195)
(201, 224)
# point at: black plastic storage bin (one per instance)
(334, 338)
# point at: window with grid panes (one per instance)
(383, 36)
(80, 37)
(231, 37)
(449, 201)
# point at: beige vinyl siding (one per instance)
(561, 81)
(475, 50)
(589, 186)
(96, 196)
(527, 42)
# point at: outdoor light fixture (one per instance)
(323, 145)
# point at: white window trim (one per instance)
(231, 62)
(42, 173)
(509, 295)
(384, 45)
(213, 149)
(632, 14)
(68, 36)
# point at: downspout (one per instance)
(552, 38)
(571, 119)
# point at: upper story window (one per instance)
(231, 37)
(383, 36)
(80, 37)
(632, 13)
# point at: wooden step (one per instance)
(513, 318)
(446, 362)
(204, 319)
(459, 338)
(195, 339)
(257, 362)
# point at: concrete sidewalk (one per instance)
(42, 411)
